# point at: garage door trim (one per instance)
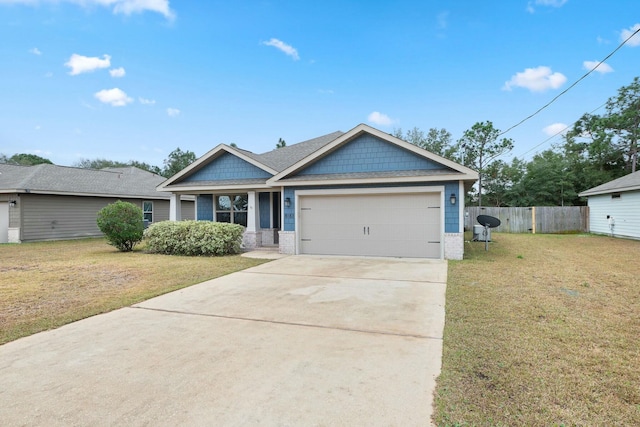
(369, 190)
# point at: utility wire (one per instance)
(575, 83)
(559, 132)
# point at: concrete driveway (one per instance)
(302, 340)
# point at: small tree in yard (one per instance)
(122, 224)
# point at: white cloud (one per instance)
(603, 68)
(125, 7)
(173, 112)
(35, 51)
(548, 3)
(625, 34)
(443, 20)
(536, 79)
(282, 46)
(84, 64)
(114, 97)
(380, 119)
(145, 101)
(117, 72)
(555, 129)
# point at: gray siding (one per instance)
(52, 217)
(47, 217)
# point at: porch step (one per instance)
(273, 248)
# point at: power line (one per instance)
(559, 132)
(570, 87)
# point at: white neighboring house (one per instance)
(614, 207)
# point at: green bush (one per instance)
(121, 222)
(193, 238)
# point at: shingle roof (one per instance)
(46, 178)
(281, 158)
(629, 182)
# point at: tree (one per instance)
(281, 143)
(24, 159)
(437, 141)
(623, 117)
(122, 224)
(146, 167)
(480, 147)
(99, 164)
(502, 181)
(548, 181)
(177, 161)
(104, 163)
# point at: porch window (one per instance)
(147, 211)
(232, 208)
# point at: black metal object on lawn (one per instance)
(487, 222)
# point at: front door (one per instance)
(275, 208)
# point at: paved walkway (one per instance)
(298, 341)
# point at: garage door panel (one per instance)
(402, 225)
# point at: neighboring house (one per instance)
(48, 202)
(614, 207)
(363, 192)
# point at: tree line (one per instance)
(594, 150)
(174, 163)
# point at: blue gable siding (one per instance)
(368, 153)
(205, 207)
(227, 167)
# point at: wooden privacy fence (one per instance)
(537, 219)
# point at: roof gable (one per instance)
(246, 159)
(227, 167)
(384, 156)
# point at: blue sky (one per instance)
(134, 79)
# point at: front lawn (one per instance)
(46, 285)
(542, 330)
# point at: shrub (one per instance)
(194, 238)
(121, 222)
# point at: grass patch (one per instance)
(48, 284)
(542, 330)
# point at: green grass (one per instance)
(46, 285)
(542, 330)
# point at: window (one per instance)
(232, 209)
(147, 211)
(615, 195)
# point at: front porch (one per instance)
(259, 211)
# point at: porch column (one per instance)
(175, 209)
(252, 212)
(252, 238)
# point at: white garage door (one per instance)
(395, 225)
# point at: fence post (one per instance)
(533, 220)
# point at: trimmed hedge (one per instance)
(193, 238)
